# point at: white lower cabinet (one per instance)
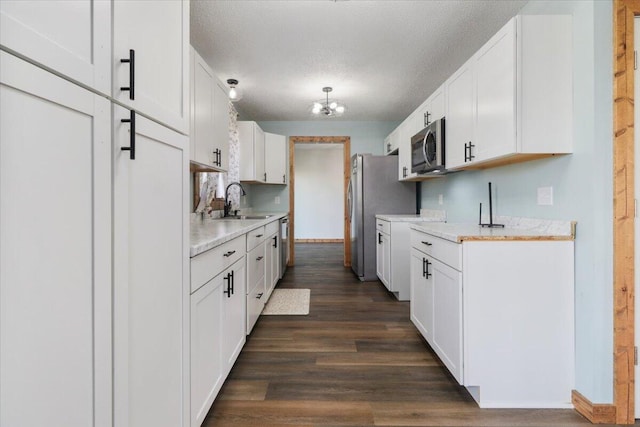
(218, 330)
(256, 282)
(498, 314)
(151, 288)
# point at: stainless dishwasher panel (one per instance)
(284, 244)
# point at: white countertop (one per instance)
(208, 233)
(459, 232)
(407, 218)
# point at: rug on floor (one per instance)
(288, 302)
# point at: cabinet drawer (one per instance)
(445, 251)
(208, 264)
(255, 303)
(384, 226)
(255, 266)
(271, 228)
(254, 237)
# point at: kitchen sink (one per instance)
(247, 217)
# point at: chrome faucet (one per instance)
(227, 202)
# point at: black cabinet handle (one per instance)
(258, 236)
(228, 254)
(228, 280)
(427, 122)
(426, 243)
(275, 241)
(379, 238)
(388, 147)
(259, 258)
(404, 172)
(467, 152)
(284, 179)
(427, 274)
(218, 157)
(132, 74)
(233, 283)
(424, 267)
(132, 135)
(259, 295)
(265, 176)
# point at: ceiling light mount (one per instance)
(328, 107)
(235, 94)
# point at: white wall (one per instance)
(319, 191)
(582, 189)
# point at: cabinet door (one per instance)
(207, 372)
(221, 125)
(259, 150)
(405, 132)
(158, 32)
(447, 315)
(69, 37)
(55, 250)
(386, 260)
(202, 109)
(151, 293)
(234, 315)
(380, 259)
(496, 95)
(272, 265)
(421, 305)
(275, 158)
(460, 116)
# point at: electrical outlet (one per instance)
(277, 200)
(440, 199)
(545, 196)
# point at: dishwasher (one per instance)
(284, 244)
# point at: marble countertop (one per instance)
(426, 215)
(518, 230)
(208, 233)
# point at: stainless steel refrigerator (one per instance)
(374, 189)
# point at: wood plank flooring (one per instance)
(355, 360)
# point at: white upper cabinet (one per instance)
(432, 109)
(518, 89)
(390, 145)
(405, 131)
(153, 36)
(209, 130)
(459, 121)
(72, 38)
(275, 158)
(251, 152)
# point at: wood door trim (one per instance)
(597, 413)
(346, 149)
(624, 12)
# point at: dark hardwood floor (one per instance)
(355, 360)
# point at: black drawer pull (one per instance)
(258, 236)
(228, 254)
(427, 243)
(132, 74)
(132, 135)
(424, 267)
(379, 238)
(427, 274)
(228, 280)
(259, 258)
(275, 241)
(259, 295)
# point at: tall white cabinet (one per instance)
(55, 250)
(93, 232)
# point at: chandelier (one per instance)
(327, 107)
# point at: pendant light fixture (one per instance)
(235, 94)
(328, 107)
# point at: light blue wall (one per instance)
(366, 137)
(582, 189)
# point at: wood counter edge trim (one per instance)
(596, 413)
(514, 238)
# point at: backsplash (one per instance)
(215, 182)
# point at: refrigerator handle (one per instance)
(349, 199)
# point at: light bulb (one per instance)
(333, 105)
(233, 93)
(316, 108)
(340, 109)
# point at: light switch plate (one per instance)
(545, 196)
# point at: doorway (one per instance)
(346, 150)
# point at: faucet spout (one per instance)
(227, 202)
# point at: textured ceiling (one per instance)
(382, 58)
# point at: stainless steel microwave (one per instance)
(427, 148)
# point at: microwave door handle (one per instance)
(424, 148)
